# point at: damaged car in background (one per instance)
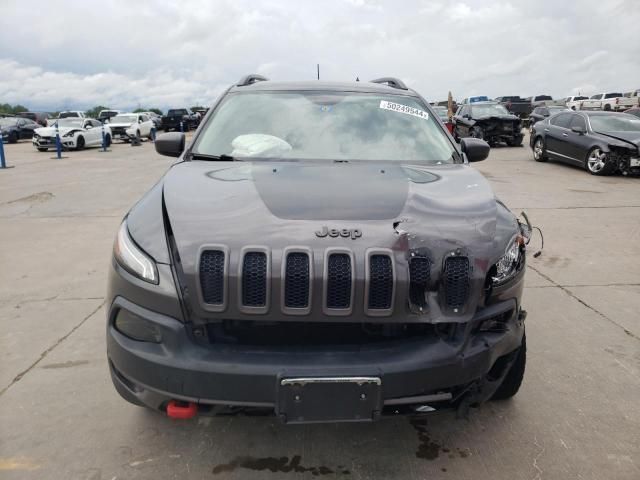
(488, 121)
(129, 126)
(75, 134)
(601, 142)
(322, 251)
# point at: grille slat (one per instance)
(419, 278)
(296, 283)
(212, 276)
(380, 282)
(254, 279)
(339, 272)
(456, 273)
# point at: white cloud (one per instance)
(161, 53)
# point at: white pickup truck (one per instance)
(601, 101)
(574, 102)
(629, 100)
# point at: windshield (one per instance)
(124, 119)
(177, 112)
(68, 122)
(325, 126)
(8, 122)
(620, 122)
(488, 110)
(68, 114)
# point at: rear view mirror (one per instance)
(475, 149)
(170, 144)
(578, 129)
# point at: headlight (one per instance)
(69, 134)
(507, 266)
(132, 259)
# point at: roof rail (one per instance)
(392, 82)
(251, 79)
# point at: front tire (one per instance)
(40, 149)
(513, 380)
(80, 143)
(107, 141)
(597, 162)
(539, 150)
(13, 138)
(607, 108)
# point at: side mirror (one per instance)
(475, 149)
(578, 129)
(170, 144)
(88, 126)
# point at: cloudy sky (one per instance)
(162, 53)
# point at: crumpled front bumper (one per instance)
(414, 371)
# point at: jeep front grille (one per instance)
(331, 280)
(212, 276)
(339, 280)
(456, 277)
(296, 280)
(254, 279)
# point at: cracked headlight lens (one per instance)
(507, 265)
(132, 258)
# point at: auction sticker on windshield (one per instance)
(398, 107)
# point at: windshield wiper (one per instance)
(221, 158)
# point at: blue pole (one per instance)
(58, 143)
(3, 163)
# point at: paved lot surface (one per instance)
(577, 415)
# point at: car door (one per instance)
(88, 132)
(29, 128)
(20, 130)
(145, 126)
(464, 121)
(578, 144)
(556, 133)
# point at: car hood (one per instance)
(497, 117)
(404, 208)
(630, 137)
(51, 131)
(121, 124)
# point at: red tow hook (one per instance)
(181, 410)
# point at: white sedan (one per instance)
(126, 126)
(75, 133)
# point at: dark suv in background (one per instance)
(323, 251)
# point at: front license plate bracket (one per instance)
(329, 399)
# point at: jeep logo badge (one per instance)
(334, 232)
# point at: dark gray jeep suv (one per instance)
(323, 251)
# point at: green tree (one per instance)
(93, 113)
(9, 109)
(140, 110)
(156, 110)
